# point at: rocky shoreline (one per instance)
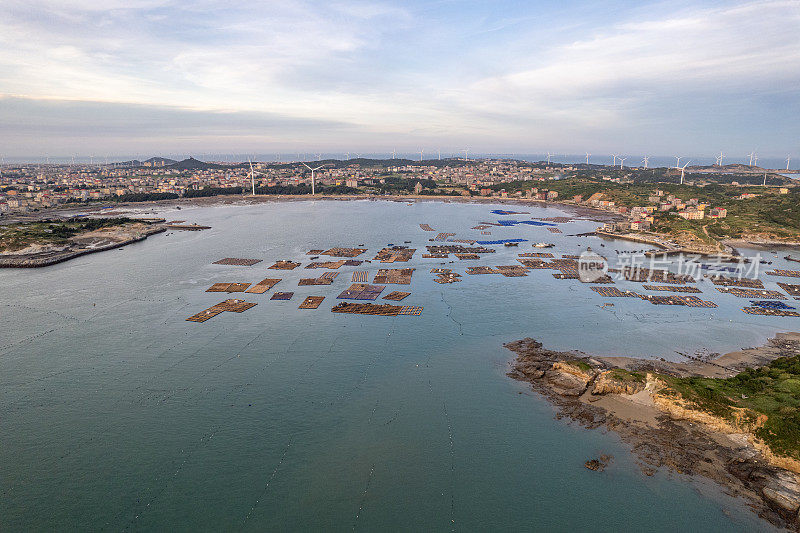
(593, 392)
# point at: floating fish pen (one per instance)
(314, 252)
(445, 276)
(311, 302)
(359, 276)
(568, 256)
(228, 287)
(458, 249)
(435, 256)
(473, 271)
(769, 312)
(343, 252)
(543, 255)
(568, 273)
(658, 276)
(440, 271)
(512, 271)
(770, 304)
(443, 236)
(284, 265)
(463, 241)
(486, 233)
(361, 291)
(793, 290)
(233, 306)
(322, 280)
(563, 263)
(534, 263)
(392, 254)
(613, 292)
(397, 296)
(690, 301)
(333, 265)
(400, 276)
(426, 227)
(671, 288)
(736, 282)
(482, 226)
(752, 293)
(236, 261)
(263, 286)
(282, 296)
(554, 230)
(468, 256)
(785, 273)
(377, 309)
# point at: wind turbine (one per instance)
(587, 157)
(614, 163)
(755, 159)
(677, 162)
(313, 181)
(751, 158)
(252, 176)
(788, 159)
(439, 152)
(765, 179)
(683, 169)
(549, 155)
(394, 153)
(646, 161)
(420, 153)
(466, 154)
(719, 159)
(622, 161)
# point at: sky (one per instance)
(81, 77)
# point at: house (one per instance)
(692, 214)
(718, 212)
(418, 188)
(353, 183)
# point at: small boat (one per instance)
(511, 244)
(543, 245)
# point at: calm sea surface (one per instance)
(116, 413)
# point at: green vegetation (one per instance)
(620, 374)
(583, 365)
(773, 390)
(15, 237)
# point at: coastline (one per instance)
(666, 433)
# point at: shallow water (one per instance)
(117, 413)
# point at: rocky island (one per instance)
(734, 419)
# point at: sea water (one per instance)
(117, 413)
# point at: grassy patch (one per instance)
(15, 237)
(619, 374)
(582, 365)
(773, 391)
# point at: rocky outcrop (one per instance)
(606, 383)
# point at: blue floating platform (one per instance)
(502, 241)
(528, 222)
(770, 304)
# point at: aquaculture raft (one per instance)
(426, 227)
(237, 261)
(752, 293)
(400, 276)
(263, 286)
(613, 292)
(554, 230)
(443, 236)
(770, 304)
(655, 275)
(769, 312)
(376, 309)
(360, 276)
(361, 291)
(736, 282)
(397, 296)
(792, 290)
(391, 254)
(458, 249)
(343, 252)
(234, 306)
(311, 302)
(282, 296)
(785, 273)
(325, 279)
(285, 265)
(445, 275)
(543, 255)
(671, 288)
(468, 256)
(691, 301)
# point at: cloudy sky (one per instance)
(166, 76)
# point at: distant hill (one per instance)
(158, 162)
(194, 164)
